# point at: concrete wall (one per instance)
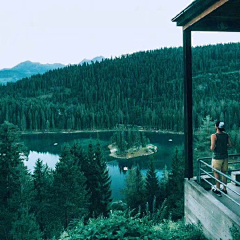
(214, 217)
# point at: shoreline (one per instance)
(96, 130)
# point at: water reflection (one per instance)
(47, 147)
(47, 158)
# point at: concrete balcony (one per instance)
(216, 215)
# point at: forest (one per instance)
(144, 89)
(74, 201)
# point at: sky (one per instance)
(60, 31)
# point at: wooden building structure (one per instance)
(201, 15)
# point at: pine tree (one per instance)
(129, 139)
(152, 185)
(104, 182)
(69, 189)
(202, 140)
(175, 187)
(25, 227)
(79, 156)
(14, 178)
(134, 189)
(163, 185)
(41, 203)
(91, 172)
(202, 137)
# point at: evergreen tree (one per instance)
(144, 139)
(25, 227)
(202, 140)
(91, 172)
(137, 140)
(152, 188)
(70, 193)
(129, 139)
(42, 199)
(104, 183)
(14, 179)
(134, 189)
(175, 187)
(203, 136)
(122, 143)
(79, 156)
(163, 185)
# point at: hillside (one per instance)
(28, 69)
(25, 69)
(144, 88)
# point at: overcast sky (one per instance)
(61, 31)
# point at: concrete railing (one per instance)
(215, 218)
(205, 169)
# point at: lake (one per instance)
(47, 147)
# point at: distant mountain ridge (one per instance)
(96, 59)
(26, 69)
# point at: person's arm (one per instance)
(213, 141)
(229, 142)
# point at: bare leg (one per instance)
(224, 180)
(216, 175)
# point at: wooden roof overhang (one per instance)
(201, 15)
(210, 15)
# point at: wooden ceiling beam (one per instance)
(223, 18)
(216, 25)
(215, 29)
(205, 13)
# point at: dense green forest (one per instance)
(41, 204)
(74, 200)
(144, 88)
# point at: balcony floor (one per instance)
(227, 202)
(216, 215)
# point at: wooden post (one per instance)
(188, 123)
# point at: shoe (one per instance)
(215, 191)
(223, 190)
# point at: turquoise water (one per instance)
(47, 147)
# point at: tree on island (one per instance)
(125, 140)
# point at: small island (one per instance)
(130, 144)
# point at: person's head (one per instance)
(220, 125)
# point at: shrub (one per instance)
(121, 225)
(178, 230)
(235, 232)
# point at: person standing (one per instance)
(220, 142)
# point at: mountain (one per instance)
(26, 69)
(96, 59)
(141, 89)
